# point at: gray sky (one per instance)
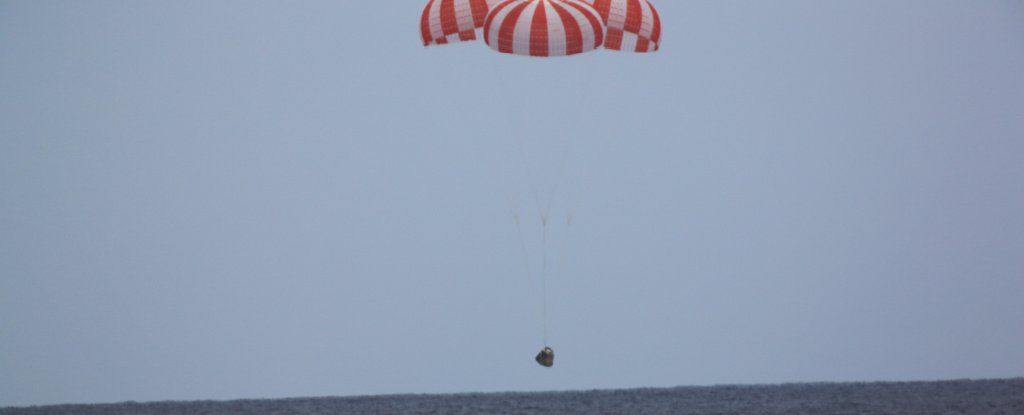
(215, 200)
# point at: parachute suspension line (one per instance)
(531, 273)
(543, 210)
(544, 277)
(516, 210)
(544, 199)
(562, 185)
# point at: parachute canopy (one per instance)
(632, 25)
(543, 27)
(447, 21)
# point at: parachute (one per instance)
(632, 25)
(543, 27)
(448, 21)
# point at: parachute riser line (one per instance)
(544, 279)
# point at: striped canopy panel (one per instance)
(543, 27)
(447, 21)
(633, 25)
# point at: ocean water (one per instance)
(973, 397)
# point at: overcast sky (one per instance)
(255, 199)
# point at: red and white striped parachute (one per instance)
(543, 27)
(447, 21)
(633, 25)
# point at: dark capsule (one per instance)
(546, 357)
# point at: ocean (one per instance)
(971, 397)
